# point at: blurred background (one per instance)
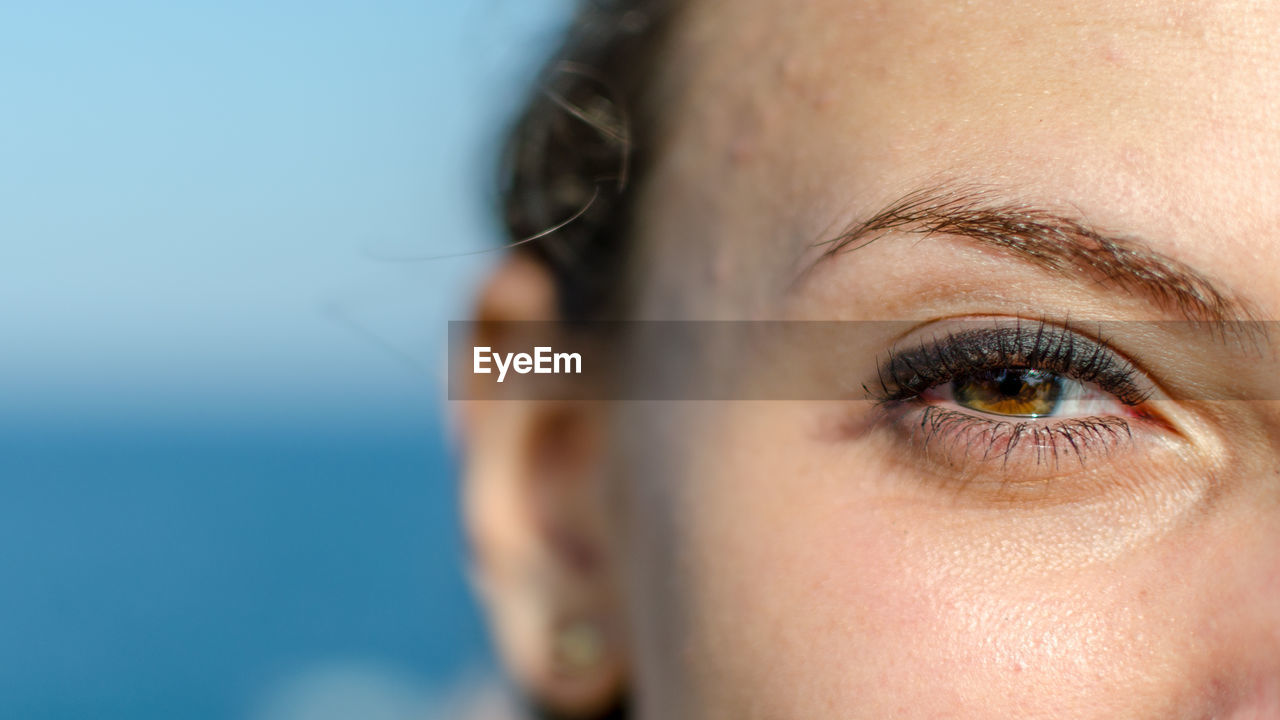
(227, 483)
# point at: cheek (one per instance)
(812, 593)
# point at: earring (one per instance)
(579, 646)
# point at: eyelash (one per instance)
(905, 377)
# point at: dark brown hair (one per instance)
(574, 159)
(576, 153)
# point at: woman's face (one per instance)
(1111, 168)
(822, 568)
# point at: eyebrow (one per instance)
(1055, 242)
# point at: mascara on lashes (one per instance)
(904, 375)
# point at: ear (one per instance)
(537, 521)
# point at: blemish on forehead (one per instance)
(789, 70)
(823, 99)
(748, 126)
(799, 75)
(1111, 53)
(741, 151)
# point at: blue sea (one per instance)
(224, 488)
(177, 570)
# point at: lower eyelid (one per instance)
(1123, 463)
(958, 439)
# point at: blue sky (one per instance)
(197, 195)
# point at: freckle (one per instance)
(741, 150)
(748, 127)
(1111, 54)
(789, 71)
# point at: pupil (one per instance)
(1010, 391)
(1011, 383)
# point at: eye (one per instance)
(1024, 393)
(1021, 394)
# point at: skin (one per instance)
(794, 560)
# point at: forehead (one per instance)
(1156, 118)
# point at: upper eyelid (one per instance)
(1053, 347)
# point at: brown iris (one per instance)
(1009, 391)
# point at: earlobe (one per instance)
(537, 523)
